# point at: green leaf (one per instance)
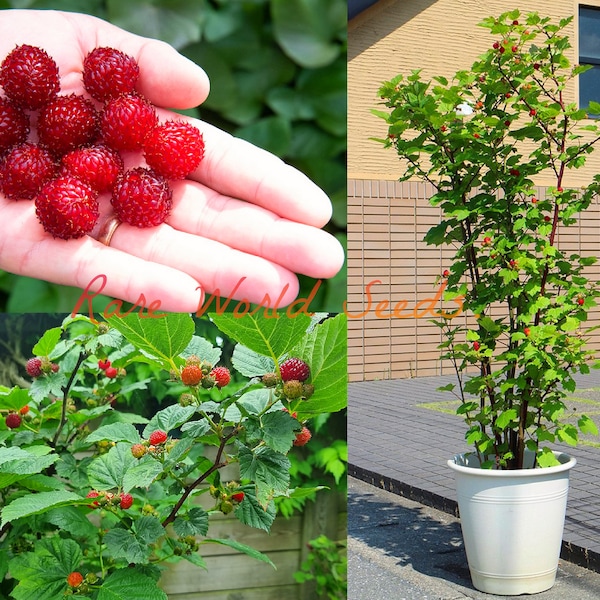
(16, 399)
(169, 418)
(586, 425)
(251, 513)
(107, 471)
(116, 432)
(504, 418)
(148, 529)
(195, 522)
(567, 434)
(271, 337)
(249, 363)
(203, 349)
(42, 574)
(142, 473)
(34, 504)
(162, 339)
(307, 30)
(121, 543)
(47, 342)
(278, 429)
(546, 458)
(324, 349)
(69, 518)
(129, 584)
(267, 468)
(241, 548)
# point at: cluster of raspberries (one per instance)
(64, 150)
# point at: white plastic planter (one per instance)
(512, 523)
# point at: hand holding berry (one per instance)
(250, 215)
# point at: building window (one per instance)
(589, 54)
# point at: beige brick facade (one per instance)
(391, 272)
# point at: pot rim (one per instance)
(459, 463)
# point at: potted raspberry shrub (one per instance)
(481, 140)
(96, 501)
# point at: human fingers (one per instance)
(219, 269)
(238, 169)
(300, 248)
(25, 249)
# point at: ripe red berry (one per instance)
(476, 345)
(514, 172)
(495, 45)
(54, 367)
(526, 331)
(67, 208)
(238, 496)
(67, 122)
(75, 579)
(111, 372)
(294, 368)
(446, 273)
(191, 375)
(142, 198)
(126, 501)
(93, 494)
(532, 112)
(174, 149)
(303, 437)
(13, 420)
(24, 409)
(487, 241)
(96, 165)
(14, 124)
(222, 376)
(580, 301)
(108, 72)
(157, 437)
(34, 367)
(126, 120)
(24, 170)
(29, 76)
(104, 364)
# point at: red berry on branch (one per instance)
(126, 501)
(13, 420)
(222, 376)
(303, 437)
(75, 579)
(158, 437)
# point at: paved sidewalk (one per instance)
(401, 433)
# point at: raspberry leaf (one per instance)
(242, 548)
(194, 522)
(161, 339)
(124, 544)
(169, 418)
(47, 342)
(250, 363)
(34, 504)
(203, 349)
(324, 349)
(115, 432)
(142, 473)
(130, 584)
(268, 469)
(108, 470)
(267, 336)
(251, 513)
(278, 430)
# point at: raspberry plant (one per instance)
(95, 500)
(480, 140)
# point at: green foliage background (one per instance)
(278, 79)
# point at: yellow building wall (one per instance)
(439, 37)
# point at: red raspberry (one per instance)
(67, 208)
(93, 494)
(303, 437)
(34, 367)
(14, 124)
(126, 120)
(111, 372)
(54, 368)
(222, 376)
(126, 501)
(75, 579)
(108, 72)
(29, 76)
(294, 368)
(67, 122)
(191, 375)
(24, 409)
(174, 149)
(104, 364)
(24, 170)
(13, 420)
(142, 198)
(96, 165)
(157, 437)
(238, 496)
